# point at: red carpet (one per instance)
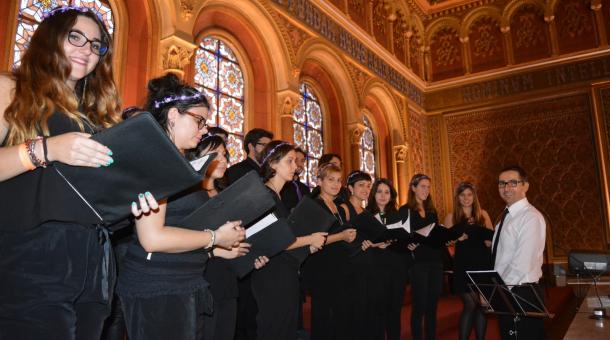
(449, 310)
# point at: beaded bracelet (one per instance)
(31, 148)
(24, 158)
(212, 240)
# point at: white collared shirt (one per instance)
(521, 246)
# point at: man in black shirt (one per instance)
(295, 190)
(254, 143)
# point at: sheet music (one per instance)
(425, 231)
(260, 225)
(199, 162)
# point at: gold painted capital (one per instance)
(176, 54)
(356, 132)
(401, 153)
(186, 9)
(288, 101)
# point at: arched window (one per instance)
(31, 13)
(367, 149)
(219, 76)
(308, 132)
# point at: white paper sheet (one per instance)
(260, 225)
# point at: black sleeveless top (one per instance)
(150, 274)
(41, 195)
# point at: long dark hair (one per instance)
(273, 153)
(169, 86)
(206, 145)
(41, 82)
(391, 206)
(458, 213)
(412, 201)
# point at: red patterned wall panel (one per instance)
(434, 158)
(446, 54)
(399, 39)
(575, 23)
(553, 141)
(340, 4)
(358, 13)
(486, 44)
(380, 24)
(606, 14)
(414, 52)
(530, 34)
(605, 105)
(417, 131)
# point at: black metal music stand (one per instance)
(498, 298)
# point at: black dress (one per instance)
(164, 295)
(325, 275)
(276, 290)
(426, 277)
(57, 276)
(470, 254)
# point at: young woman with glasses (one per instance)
(162, 289)
(56, 277)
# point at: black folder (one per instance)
(308, 217)
(267, 242)
(145, 159)
(367, 228)
(246, 200)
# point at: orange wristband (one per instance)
(24, 158)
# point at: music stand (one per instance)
(499, 298)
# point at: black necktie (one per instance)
(497, 240)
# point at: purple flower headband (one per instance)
(63, 9)
(272, 151)
(169, 99)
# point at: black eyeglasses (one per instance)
(78, 39)
(201, 121)
(511, 184)
(261, 144)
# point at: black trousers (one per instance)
(276, 290)
(52, 283)
(162, 317)
(426, 288)
(527, 328)
(245, 328)
(221, 324)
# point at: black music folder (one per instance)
(367, 228)
(246, 200)
(308, 217)
(268, 237)
(145, 159)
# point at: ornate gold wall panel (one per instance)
(446, 60)
(486, 44)
(575, 23)
(530, 34)
(554, 141)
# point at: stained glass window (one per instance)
(308, 135)
(219, 76)
(31, 13)
(367, 149)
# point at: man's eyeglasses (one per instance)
(261, 144)
(78, 39)
(201, 122)
(511, 184)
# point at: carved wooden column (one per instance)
(550, 19)
(356, 131)
(176, 55)
(508, 45)
(425, 66)
(288, 101)
(466, 57)
(596, 6)
(408, 43)
(401, 182)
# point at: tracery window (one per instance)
(31, 13)
(307, 123)
(367, 149)
(220, 77)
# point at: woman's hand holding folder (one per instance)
(78, 149)
(230, 234)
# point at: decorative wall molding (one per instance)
(176, 54)
(318, 21)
